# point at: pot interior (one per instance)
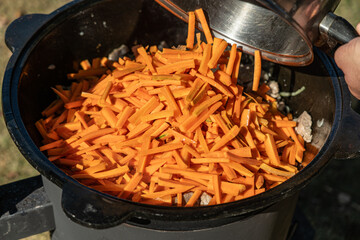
(95, 30)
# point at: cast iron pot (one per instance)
(44, 48)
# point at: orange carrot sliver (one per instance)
(191, 31)
(257, 70)
(201, 16)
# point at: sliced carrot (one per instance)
(193, 198)
(223, 77)
(173, 67)
(216, 54)
(276, 171)
(170, 122)
(235, 72)
(164, 148)
(201, 16)
(148, 59)
(51, 145)
(257, 70)
(216, 84)
(271, 150)
(216, 186)
(230, 65)
(234, 131)
(124, 116)
(172, 191)
(131, 185)
(203, 68)
(241, 169)
(191, 31)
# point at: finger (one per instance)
(358, 28)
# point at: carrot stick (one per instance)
(235, 72)
(164, 148)
(234, 131)
(257, 70)
(51, 145)
(216, 186)
(284, 123)
(131, 185)
(145, 109)
(128, 111)
(203, 68)
(276, 171)
(193, 198)
(295, 138)
(240, 169)
(171, 68)
(95, 134)
(216, 54)
(241, 152)
(207, 103)
(223, 77)
(202, 140)
(209, 160)
(148, 59)
(205, 27)
(230, 65)
(172, 191)
(171, 100)
(191, 31)
(157, 115)
(64, 98)
(110, 117)
(121, 73)
(179, 160)
(105, 174)
(203, 116)
(105, 93)
(216, 84)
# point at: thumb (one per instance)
(347, 57)
(358, 28)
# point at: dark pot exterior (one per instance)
(87, 29)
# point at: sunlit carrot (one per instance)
(201, 16)
(216, 54)
(191, 31)
(170, 122)
(257, 70)
(230, 65)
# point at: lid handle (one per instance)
(337, 28)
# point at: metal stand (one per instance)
(26, 209)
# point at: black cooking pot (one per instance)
(44, 48)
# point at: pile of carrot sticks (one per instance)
(171, 127)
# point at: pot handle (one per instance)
(348, 135)
(91, 209)
(337, 28)
(21, 29)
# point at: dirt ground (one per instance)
(12, 165)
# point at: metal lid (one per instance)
(251, 26)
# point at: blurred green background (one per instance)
(13, 166)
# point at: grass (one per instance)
(350, 10)
(12, 165)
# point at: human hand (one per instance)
(347, 57)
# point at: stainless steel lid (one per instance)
(285, 31)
